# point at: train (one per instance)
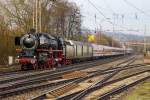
(42, 50)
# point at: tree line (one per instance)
(58, 18)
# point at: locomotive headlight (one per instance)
(56, 59)
(34, 56)
(18, 56)
(32, 61)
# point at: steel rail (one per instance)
(31, 80)
(120, 89)
(83, 93)
(92, 75)
(70, 67)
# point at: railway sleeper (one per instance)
(61, 91)
(75, 74)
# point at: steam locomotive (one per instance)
(42, 50)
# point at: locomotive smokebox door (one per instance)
(17, 40)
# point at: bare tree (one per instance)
(18, 19)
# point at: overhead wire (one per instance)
(104, 15)
(108, 6)
(112, 23)
(101, 13)
(98, 9)
(138, 9)
(133, 6)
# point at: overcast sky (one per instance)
(126, 17)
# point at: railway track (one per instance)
(65, 67)
(128, 82)
(61, 90)
(15, 89)
(33, 79)
(9, 77)
(104, 85)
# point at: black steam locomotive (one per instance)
(39, 50)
